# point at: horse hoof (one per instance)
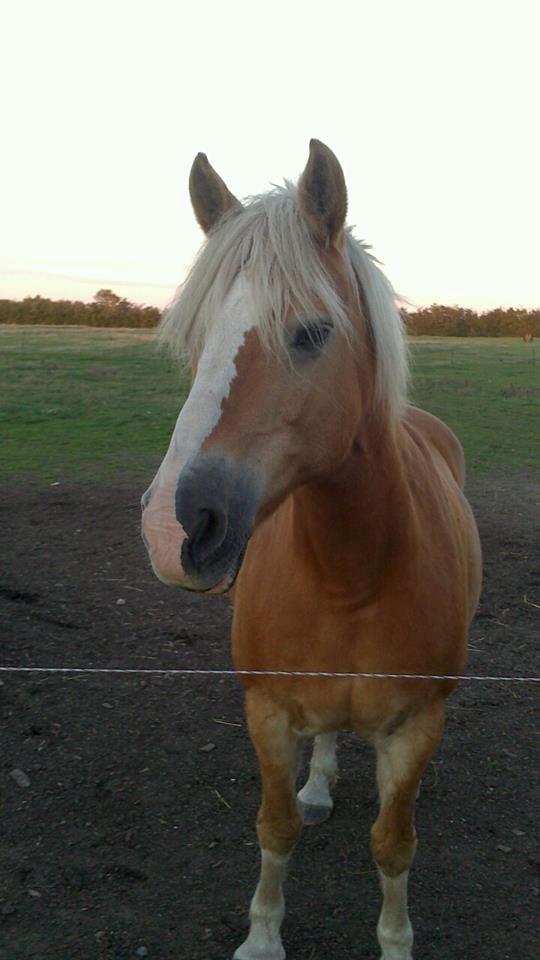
(247, 951)
(312, 814)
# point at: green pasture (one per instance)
(88, 403)
(488, 391)
(84, 403)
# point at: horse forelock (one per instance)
(269, 242)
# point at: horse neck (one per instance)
(352, 528)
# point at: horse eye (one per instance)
(311, 337)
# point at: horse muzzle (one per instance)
(196, 531)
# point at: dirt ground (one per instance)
(129, 830)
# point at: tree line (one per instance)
(109, 310)
(106, 310)
(440, 321)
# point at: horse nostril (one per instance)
(208, 534)
(203, 525)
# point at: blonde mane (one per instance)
(272, 246)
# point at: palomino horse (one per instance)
(297, 469)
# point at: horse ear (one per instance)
(210, 197)
(322, 194)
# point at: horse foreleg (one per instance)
(401, 759)
(278, 824)
(315, 797)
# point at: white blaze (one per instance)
(199, 416)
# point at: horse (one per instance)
(299, 479)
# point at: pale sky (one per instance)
(432, 108)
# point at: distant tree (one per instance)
(107, 298)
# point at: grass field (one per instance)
(90, 403)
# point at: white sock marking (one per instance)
(266, 912)
(394, 929)
(322, 772)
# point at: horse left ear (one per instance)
(210, 196)
(322, 194)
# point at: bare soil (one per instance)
(135, 835)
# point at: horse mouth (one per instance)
(225, 582)
(229, 580)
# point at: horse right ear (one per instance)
(322, 194)
(210, 197)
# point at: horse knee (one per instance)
(393, 853)
(278, 834)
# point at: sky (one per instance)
(431, 106)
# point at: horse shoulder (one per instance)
(435, 452)
(423, 426)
